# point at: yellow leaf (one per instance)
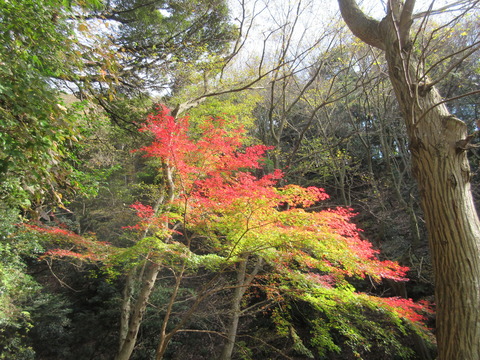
(82, 27)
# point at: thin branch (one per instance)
(447, 8)
(473, 48)
(268, 345)
(447, 100)
(62, 283)
(203, 331)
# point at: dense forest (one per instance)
(244, 179)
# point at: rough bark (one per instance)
(441, 169)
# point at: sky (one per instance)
(316, 18)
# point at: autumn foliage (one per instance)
(215, 212)
(216, 190)
(66, 243)
(311, 255)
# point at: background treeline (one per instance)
(77, 80)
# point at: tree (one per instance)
(37, 132)
(16, 287)
(214, 215)
(438, 144)
(148, 48)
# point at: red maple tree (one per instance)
(216, 214)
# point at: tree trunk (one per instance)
(163, 344)
(396, 174)
(243, 281)
(441, 169)
(443, 174)
(138, 311)
(126, 310)
(131, 318)
(235, 312)
(164, 336)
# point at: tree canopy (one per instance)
(188, 179)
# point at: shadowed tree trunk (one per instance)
(136, 317)
(440, 166)
(243, 281)
(132, 315)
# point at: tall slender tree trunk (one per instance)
(126, 310)
(131, 317)
(138, 310)
(397, 180)
(235, 312)
(164, 336)
(441, 169)
(242, 283)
